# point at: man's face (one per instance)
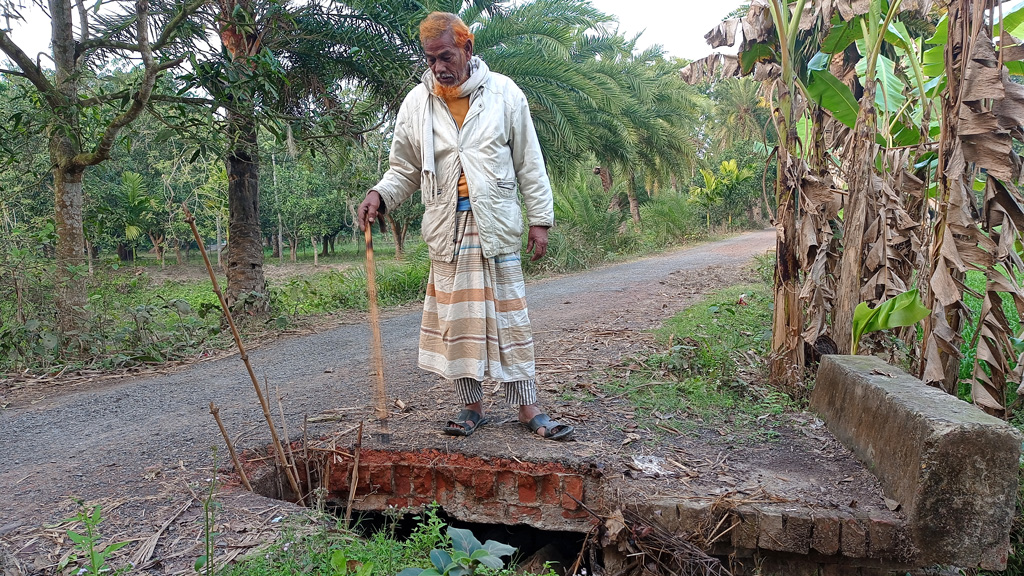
(448, 62)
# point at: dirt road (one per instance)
(134, 445)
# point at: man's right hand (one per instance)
(369, 209)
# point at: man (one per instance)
(465, 138)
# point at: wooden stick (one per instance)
(380, 392)
(241, 350)
(355, 477)
(231, 448)
(284, 430)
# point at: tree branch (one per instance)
(29, 69)
(151, 69)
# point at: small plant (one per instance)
(467, 557)
(902, 310)
(88, 548)
(204, 564)
(342, 566)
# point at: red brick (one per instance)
(419, 501)
(494, 511)
(403, 480)
(341, 475)
(398, 502)
(524, 514)
(570, 515)
(572, 485)
(464, 475)
(483, 484)
(381, 478)
(422, 481)
(363, 481)
(444, 486)
(825, 538)
(506, 486)
(527, 489)
(549, 491)
(853, 538)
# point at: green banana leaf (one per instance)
(903, 310)
(832, 95)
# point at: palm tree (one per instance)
(740, 113)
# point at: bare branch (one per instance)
(151, 69)
(29, 69)
(83, 20)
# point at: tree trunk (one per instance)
(634, 203)
(89, 255)
(245, 259)
(396, 231)
(70, 289)
(854, 219)
(787, 355)
(293, 247)
(316, 255)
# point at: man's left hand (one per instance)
(537, 242)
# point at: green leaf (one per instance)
(463, 540)
(1013, 21)
(941, 31)
(114, 547)
(889, 92)
(492, 562)
(933, 61)
(903, 310)
(832, 95)
(760, 52)
(416, 572)
(339, 562)
(75, 537)
(163, 135)
(440, 559)
(498, 549)
(842, 35)
(200, 562)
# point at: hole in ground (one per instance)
(534, 546)
(537, 507)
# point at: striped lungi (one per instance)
(475, 321)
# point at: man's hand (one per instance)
(537, 242)
(369, 209)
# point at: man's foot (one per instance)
(466, 422)
(542, 425)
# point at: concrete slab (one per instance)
(952, 467)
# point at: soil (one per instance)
(142, 447)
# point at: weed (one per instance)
(466, 557)
(87, 546)
(204, 564)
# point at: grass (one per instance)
(708, 376)
(318, 547)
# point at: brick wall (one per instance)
(488, 490)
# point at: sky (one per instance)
(678, 25)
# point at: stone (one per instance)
(952, 467)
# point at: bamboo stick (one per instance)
(242, 353)
(231, 448)
(380, 392)
(355, 477)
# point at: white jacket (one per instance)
(496, 148)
